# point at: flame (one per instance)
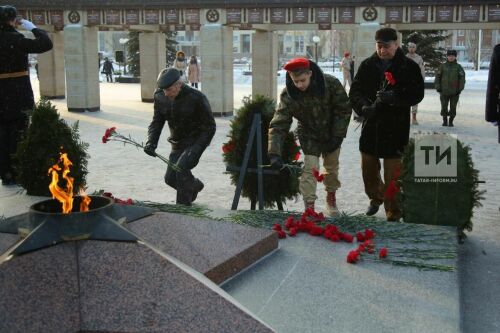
(65, 196)
(84, 205)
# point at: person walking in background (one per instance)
(385, 87)
(493, 90)
(345, 65)
(194, 72)
(352, 69)
(16, 93)
(449, 83)
(180, 63)
(412, 48)
(108, 70)
(321, 106)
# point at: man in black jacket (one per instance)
(191, 125)
(16, 94)
(385, 106)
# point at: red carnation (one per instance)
(228, 147)
(333, 228)
(369, 244)
(392, 189)
(277, 226)
(390, 79)
(316, 231)
(361, 248)
(335, 238)
(360, 237)
(297, 156)
(319, 177)
(327, 233)
(382, 253)
(369, 234)
(352, 257)
(281, 233)
(292, 232)
(346, 237)
(290, 222)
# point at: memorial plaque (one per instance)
(245, 26)
(93, 17)
(132, 16)
(470, 13)
(419, 14)
(494, 13)
(278, 15)
(180, 27)
(57, 19)
(38, 17)
(192, 16)
(324, 15)
(151, 16)
(112, 17)
(233, 15)
(444, 13)
(394, 14)
(299, 15)
(255, 15)
(346, 14)
(324, 26)
(194, 27)
(172, 16)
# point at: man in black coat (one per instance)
(192, 127)
(493, 91)
(384, 101)
(16, 94)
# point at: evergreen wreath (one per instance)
(40, 149)
(276, 187)
(449, 203)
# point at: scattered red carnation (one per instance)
(383, 253)
(360, 237)
(292, 232)
(353, 257)
(346, 237)
(281, 233)
(369, 234)
(277, 227)
(319, 177)
(289, 222)
(228, 147)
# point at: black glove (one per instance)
(386, 97)
(333, 144)
(368, 111)
(150, 150)
(276, 161)
(438, 90)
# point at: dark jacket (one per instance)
(107, 67)
(450, 79)
(387, 132)
(493, 90)
(189, 118)
(16, 94)
(322, 111)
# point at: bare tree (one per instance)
(472, 46)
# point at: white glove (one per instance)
(27, 25)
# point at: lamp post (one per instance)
(316, 40)
(124, 41)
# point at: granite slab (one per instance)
(219, 250)
(7, 241)
(103, 286)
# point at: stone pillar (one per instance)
(216, 54)
(82, 68)
(364, 41)
(264, 63)
(51, 69)
(152, 49)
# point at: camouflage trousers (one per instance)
(308, 183)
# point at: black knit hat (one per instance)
(7, 13)
(386, 35)
(168, 77)
(451, 52)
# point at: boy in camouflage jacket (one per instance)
(320, 104)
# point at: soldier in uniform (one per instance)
(16, 94)
(320, 104)
(192, 127)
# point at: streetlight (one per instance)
(124, 41)
(316, 40)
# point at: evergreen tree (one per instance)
(427, 47)
(133, 54)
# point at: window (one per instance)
(288, 38)
(288, 49)
(245, 43)
(461, 33)
(299, 44)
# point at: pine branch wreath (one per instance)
(276, 187)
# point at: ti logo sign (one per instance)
(435, 157)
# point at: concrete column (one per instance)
(82, 68)
(216, 53)
(264, 63)
(364, 41)
(152, 48)
(51, 69)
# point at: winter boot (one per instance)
(450, 123)
(372, 210)
(445, 121)
(331, 204)
(197, 187)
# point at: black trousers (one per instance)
(452, 101)
(11, 132)
(109, 77)
(194, 84)
(182, 181)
